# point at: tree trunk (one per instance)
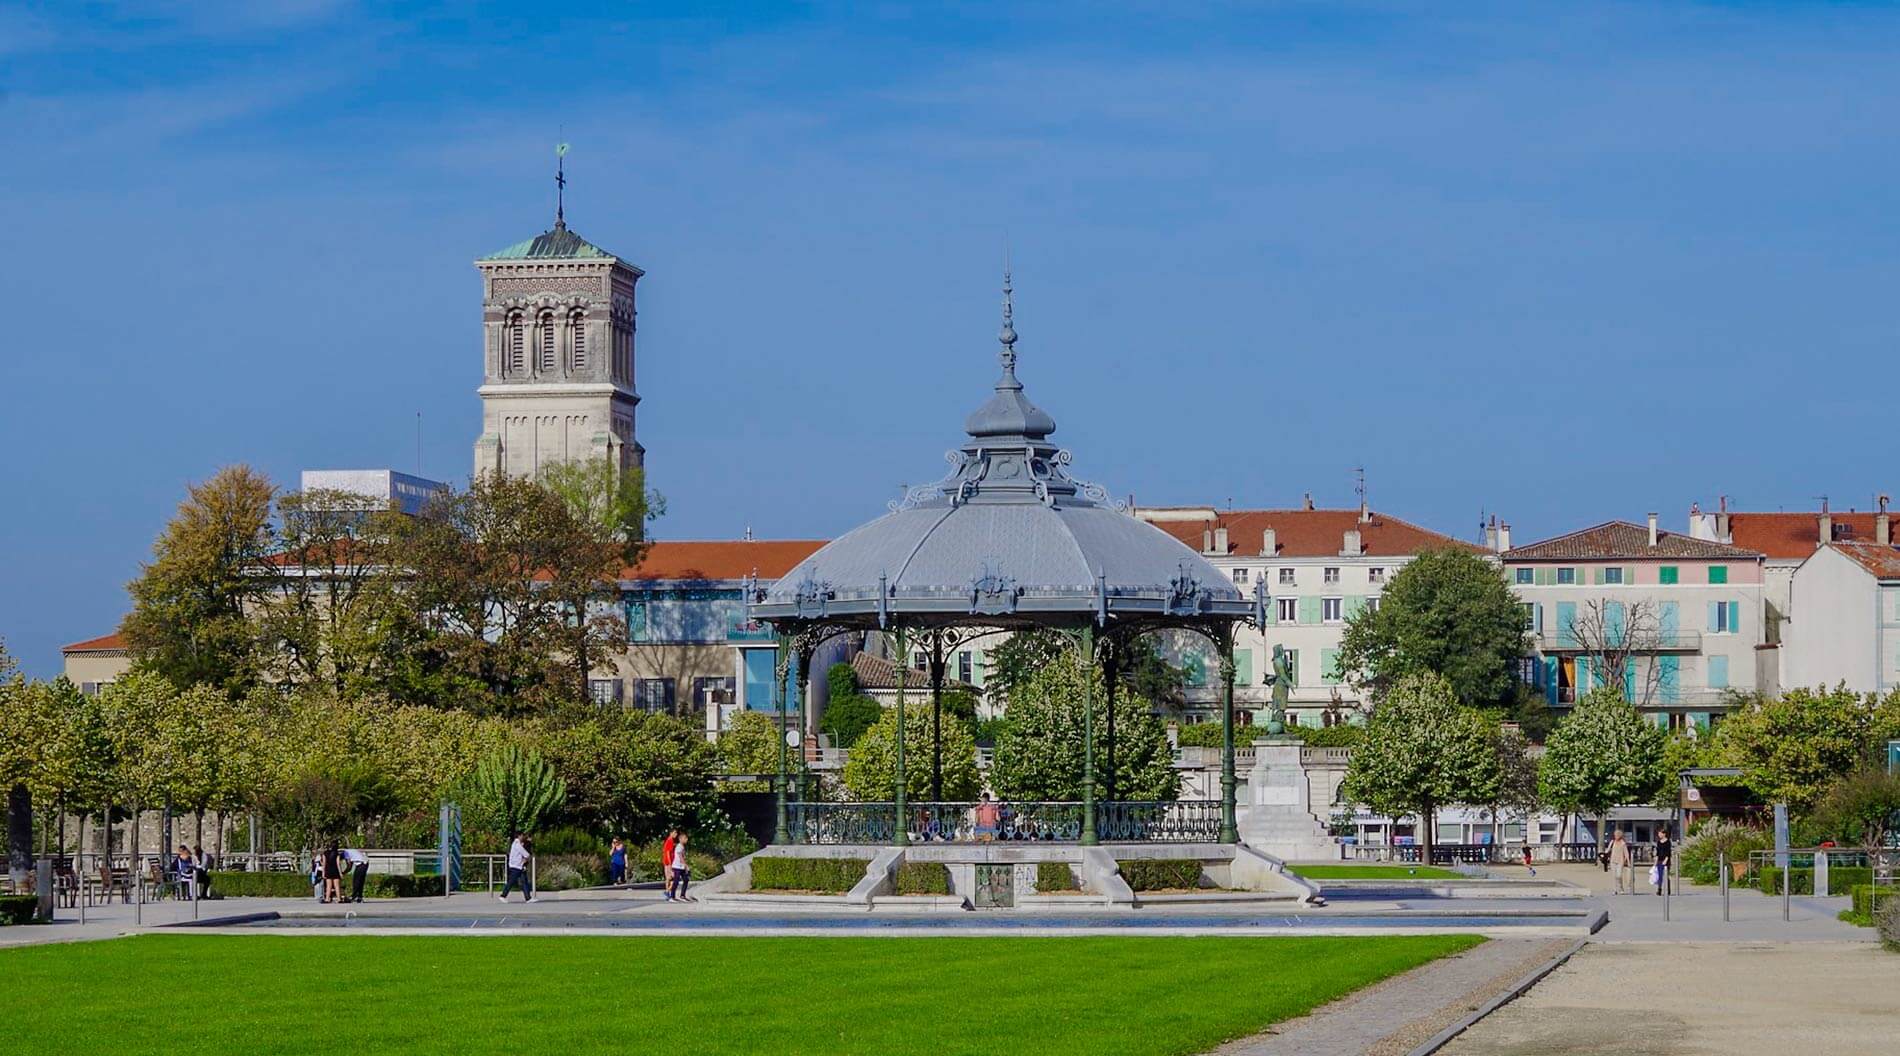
(1427, 827)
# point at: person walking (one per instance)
(1527, 861)
(666, 862)
(680, 871)
(617, 862)
(332, 874)
(519, 857)
(358, 864)
(1620, 862)
(1664, 848)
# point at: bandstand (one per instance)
(1008, 541)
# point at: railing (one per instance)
(1325, 756)
(1183, 821)
(1494, 853)
(1640, 642)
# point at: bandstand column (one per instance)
(801, 667)
(781, 831)
(936, 716)
(1088, 735)
(898, 834)
(1229, 830)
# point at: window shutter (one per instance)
(1671, 679)
(1309, 610)
(1354, 604)
(1243, 667)
(1629, 575)
(1718, 672)
(1583, 674)
(580, 341)
(1550, 680)
(1718, 573)
(1715, 616)
(1329, 666)
(1734, 617)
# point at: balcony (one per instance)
(1647, 642)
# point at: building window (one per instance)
(1286, 577)
(1529, 609)
(1240, 575)
(517, 353)
(604, 691)
(1375, 575)
(709, 693)
(966, 668)
(1331, 609)
(544, 357)
(1372, 603)
(1613, 577)
(1527, 670)
(1332, 575)
(1289, 609)
(654, 695)
(1725, 617)
(1525, 576)
(1718, 574)
(578, 324)
(1566, 576)
(920, 660)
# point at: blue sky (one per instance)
(1565, 262)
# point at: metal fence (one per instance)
(1494, 853)
(1183, 821)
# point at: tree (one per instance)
(1793, 747)
(323, 623)
(750, 745)
(518, 789)
(1605, 754)
(1615, 636)
(1424, 750)
(1447, 612)
(1516, 789)
(190, 619)
(1141, 670)
(870, 774)
(613, 500)
(634, 774)
(1039, 748)
(1863, 808)
(25, 732)
(848, 712)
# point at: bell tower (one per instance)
(557, 352)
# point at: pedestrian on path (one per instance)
(666, 862)
(203, 874)
(1664, 848)
(1620, 862)
(519, 857)
(358, 864)
(332, 874)
(1527, 860)
(680, 871)
(617, 862)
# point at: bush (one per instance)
(562, 842)
(1888, 921)
(566, 872)
(1202, 735)
(1055, 877)
(1161, 874)
(824, 875)
(1801, 881)
(923, 878)
(643, 863)
(1868, 902)
(1700, 854)
(17, 909)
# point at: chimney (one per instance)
(1350, 546)
(1652, 528)
(1883, 528)
(1207, 540)
(1722, 534)
(1491, 536)
(1220, 540)
(1827, 524)
(1269, 543)
(1504, 537)
(1308, 501)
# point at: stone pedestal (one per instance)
(1279, 817)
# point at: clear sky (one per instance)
(1565, 262)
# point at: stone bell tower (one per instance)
(557, 353)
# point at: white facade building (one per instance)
(1843, 621)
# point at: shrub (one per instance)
(826, 875)
(1161, 874)
(17, 909)
(1054, 877)
(1868, 902)
(1888, 921)
(643, 863)
(1700, 854)
(565, 872)
(559, 843)
(1801, 881)
(1203, 735)
(923, 878)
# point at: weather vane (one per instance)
(560, 185)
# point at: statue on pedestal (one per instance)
(1281, 678)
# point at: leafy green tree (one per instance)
(848, 711)
(324, 623)
(1039, 749)
(1448, 612)
(25, 733)
(870, 774)
(1424, 750)
(1516, 788)
(190, 619)
(1793, 747)
(634, 774)
(519, 789)
(751, 745)
(1141, 670)
(1863, 808)
(614, 500)
(1603, 755)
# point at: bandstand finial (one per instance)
(1008, 334)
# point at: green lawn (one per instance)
(1374, 872)
(214, 994)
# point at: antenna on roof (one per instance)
(1365, 512)
(560, 185)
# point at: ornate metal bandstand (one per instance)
(1007, 541)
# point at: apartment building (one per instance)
(1676, 619)
(1844, 616)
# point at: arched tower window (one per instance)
(544, 362)
(578, 324)
(515, 354)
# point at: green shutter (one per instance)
(1629, 576)
(1718, 573)
(1583, 675)
(1670, 680)
(1735, 617)
(1545, 577)
(1309, 610)
(1715, 616)
(1354, 605)
(1596, 575)
(1718, 672)
(1668, 574)
(1329, 666)
(1566, 623)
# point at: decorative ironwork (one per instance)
(840, 822)
(948, 484)
(1182, 821)
(941, 822)
(995, 886)
(1186, 596)
(811, 597)
(993, 594)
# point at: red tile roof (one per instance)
(105, 643)
(875, 672)
(1613, 540)
(769, 559)
(1305, 533)
(1794, 535)
(1882, 561)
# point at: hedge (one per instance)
(1161, 874)
(923, 878)
(1868, 899)
(1052, 877)
(825, 875)
(18, 909)
(297, 885)
(1888, 921)
(1801, 881)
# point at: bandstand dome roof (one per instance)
(1007, 536)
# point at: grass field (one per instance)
(1374, 872)
(214, 994)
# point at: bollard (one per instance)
(1721, 862)
(1785, 888)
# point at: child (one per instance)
(1527, 860)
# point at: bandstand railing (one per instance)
(1181, 821)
